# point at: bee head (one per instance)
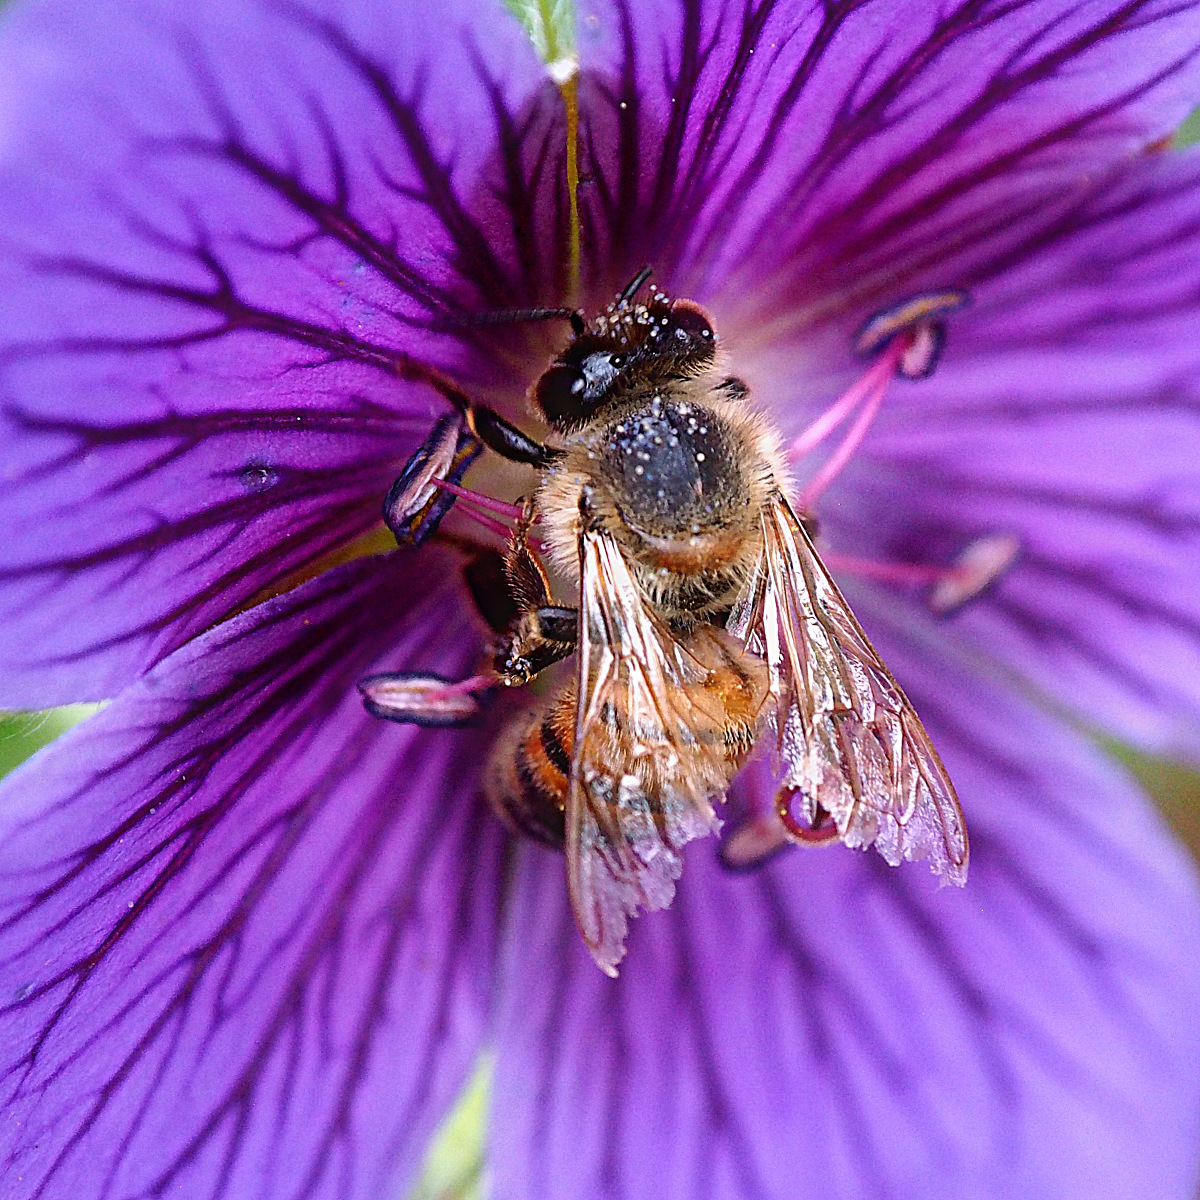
(628, 348)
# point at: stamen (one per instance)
(921, 314)
(412, 698)
(979, 565)
(923, 351)
(880, 377)
(822, 832)
(489, 523)
(512, 511)
(891, 572)
(752, 843)
(908, 339)
(413, 508)
(880, 372)
(465, 687)
(494, 526)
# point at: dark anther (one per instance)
(415, 505)
(919, 318)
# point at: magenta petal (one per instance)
(226, 227)
(246, 929)
(830, 1026)
(743, 141)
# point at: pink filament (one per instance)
(512, 511)
(869, 391)
(489, 523)
(476, 683)
(889, 572)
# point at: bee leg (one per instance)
(486, 581)
(540, 638)
(507, 440)
(420, 497)
(486, 424)
(543, 633)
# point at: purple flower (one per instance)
(252, 940)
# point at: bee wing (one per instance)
(847, 736)
(646, 760)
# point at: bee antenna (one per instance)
(632, 288)
(513, 315)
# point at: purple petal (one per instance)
(1067, 411)
(830, 1026)
(773, 154)
(232, 236)
(246, 929)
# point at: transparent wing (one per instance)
(648, 755)
(848, 738)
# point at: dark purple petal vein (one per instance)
(833, 1026)
(246, 929)
(768, 155)
(231, 238)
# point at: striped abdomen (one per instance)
(529, 774)
(531, 763)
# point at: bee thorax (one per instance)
(680, 480)
(671, 469)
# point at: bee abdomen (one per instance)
(529, 774)
(530, 769)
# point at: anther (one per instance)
(821, 832)
(415, 505)
(976, 568)
(920, 318)
(905, 339)
(413, 698)
(754, 842)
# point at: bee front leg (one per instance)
(543, 633)
(541, 637)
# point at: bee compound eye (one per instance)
(559, 393)
(691, 323)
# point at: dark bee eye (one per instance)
(559, 393)
(691, 322)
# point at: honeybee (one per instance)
(704, 620)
